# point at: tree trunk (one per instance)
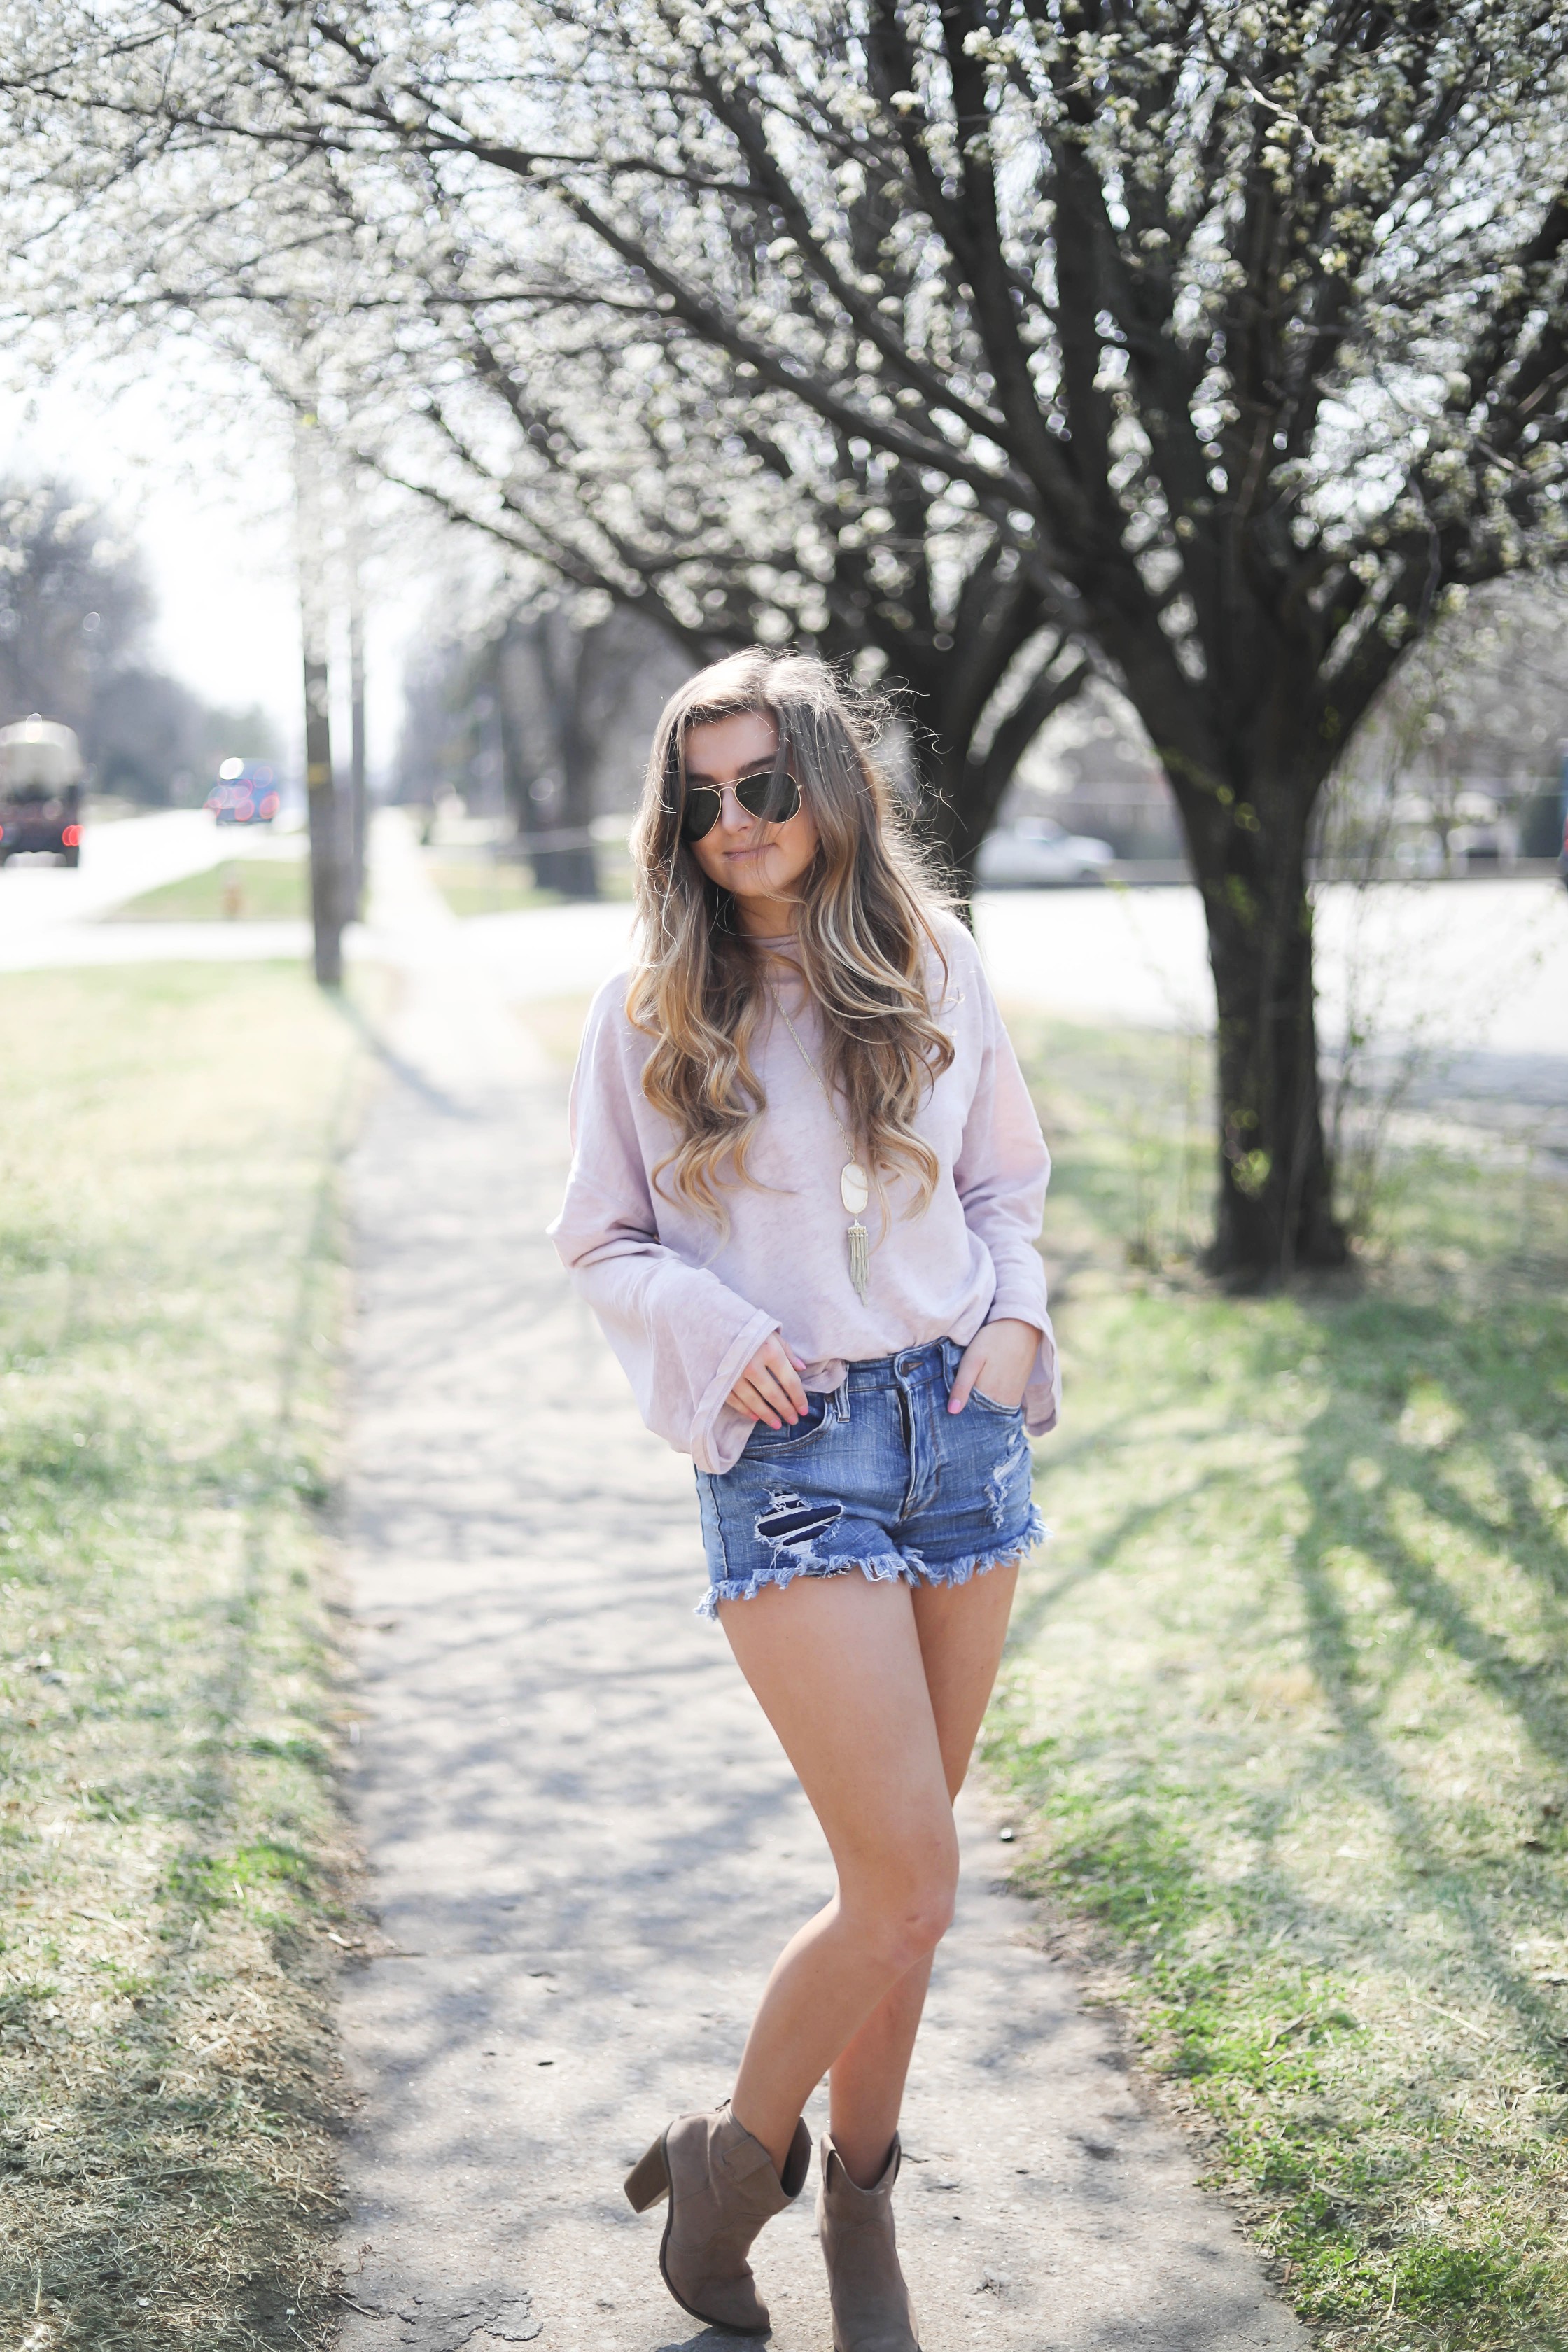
(512, 677)
(1275, 1206)
(329, 874)
(563, 858)
(359, 798)
(329, 847)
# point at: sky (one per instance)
(204, 492)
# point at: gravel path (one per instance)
(586, 1848)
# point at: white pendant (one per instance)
(854, 1187)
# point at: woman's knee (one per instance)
(905, 1907)
(926, 1921)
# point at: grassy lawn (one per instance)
(241, 889)
(172, 1901)
(484, 885)
(275, 890)
(1287, 1718)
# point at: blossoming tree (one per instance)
(1244, 326)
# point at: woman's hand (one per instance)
(769, 1389)
(997, 1362)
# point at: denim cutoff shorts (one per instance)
(878, 1476)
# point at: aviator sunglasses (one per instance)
(774, 797)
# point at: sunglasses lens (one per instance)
(776, 798)
(701, 814)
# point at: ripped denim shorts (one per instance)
(878, 1476)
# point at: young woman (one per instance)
(806, 1184)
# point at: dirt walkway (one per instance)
(586, 1848)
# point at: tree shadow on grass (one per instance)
(171, 2170)
(1520, 1667)
(1398, 1540)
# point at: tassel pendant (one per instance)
(854, 1191)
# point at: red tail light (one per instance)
(71, 837)
(269, 805)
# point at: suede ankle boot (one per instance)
(872, 2309)
(721, 2188)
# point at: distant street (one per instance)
(1473, 964)
(1462, 967)
(49, 913)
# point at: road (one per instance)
(1474, 967)
(54, 914)
(586, 1847)
(1479, 965)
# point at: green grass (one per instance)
(1287, 1718)
(484, 885)
(172, 1903)
(241, 889)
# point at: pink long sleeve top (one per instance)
(685, 1309)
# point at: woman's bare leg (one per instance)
(836, 1663)
(960, 1638)
(961, 1630)
(875, 1693)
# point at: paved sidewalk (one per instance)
(586, 1848)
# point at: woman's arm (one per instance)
(685, 1341)
(1001, 1174)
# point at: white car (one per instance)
(1038, 850)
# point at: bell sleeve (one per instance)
(681, 1336)
(1001, 1174)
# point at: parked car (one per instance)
(1484, 836)
(1037, 851)
(41, 791)
(245, 793)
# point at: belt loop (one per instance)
(838, 1402)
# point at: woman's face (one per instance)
(759, 864)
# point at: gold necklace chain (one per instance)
(854, 1185)
(811, 1066)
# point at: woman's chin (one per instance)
(752, 882)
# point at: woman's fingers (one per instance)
(750, 1398)
(768, 1385)
(746, 1399)
(998, 1361)
(782, 1364)
(963, 1380)
(769, 1389)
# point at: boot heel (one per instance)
(648, 2179)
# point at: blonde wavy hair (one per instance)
(865, 934)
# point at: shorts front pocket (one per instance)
(989, 1404)
(817, 1416)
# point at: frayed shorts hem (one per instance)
(975, 1564)
(880, 1568)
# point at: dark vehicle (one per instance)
(40, 792)
(245, 793)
